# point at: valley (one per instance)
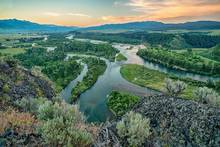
(108, 78)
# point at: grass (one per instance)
(120, 57)
(12, 51)
(153, 79)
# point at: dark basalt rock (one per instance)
(11, 138)
(17, 82)
(178, 122)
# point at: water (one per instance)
(66, 93)
(130, 52)
(93, 102)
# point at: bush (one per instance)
(6, 88)
(63, 125)
(134, 128)
(30, 104)
(21, 122)
(207, 96)
(120, 102)
(174, 88)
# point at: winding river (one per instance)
(93, 102)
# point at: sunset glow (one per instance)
(95, 12)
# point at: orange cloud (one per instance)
(169, 10)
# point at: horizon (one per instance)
(86, 13)
(107, 23)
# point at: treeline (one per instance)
(201, 41)
(39, 57)
(131, 38)
(195, 40)
(100, 50)
(187, 61)
(108, 37)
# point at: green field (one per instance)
(12, 51)
(153, 79)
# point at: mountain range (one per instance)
(14, 25)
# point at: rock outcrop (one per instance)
(17, 82)
(174, 122)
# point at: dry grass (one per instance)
(19, 121)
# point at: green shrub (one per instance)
(134, 128)
(6, 88)
(120, 102)
(30, 104)
(174, 87)
(63, 125)
(207, 96)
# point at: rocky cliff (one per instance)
(17, 82)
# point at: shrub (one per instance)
(120, 102)
(6, 88)
(21, 122)
(134, 128)
(63, 125)
(207, 96)
(174, 87)
(30, 104)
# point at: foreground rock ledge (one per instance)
(174, 122)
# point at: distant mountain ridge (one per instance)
(154, 25)
(15, 25)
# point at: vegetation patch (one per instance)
(120, 103)
(12, 51)
(120, 57)
(212, 53)
(100, 50)
(52, 64)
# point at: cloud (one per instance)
(168, 10)
(55, 14)
(52, 14)
(78, 14)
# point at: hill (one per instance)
(16, 26)
(17, 82)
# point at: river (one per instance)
(93, 102)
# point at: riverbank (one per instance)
(145, 77)
(96, 67)
(182, 61)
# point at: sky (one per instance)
(96, 12)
